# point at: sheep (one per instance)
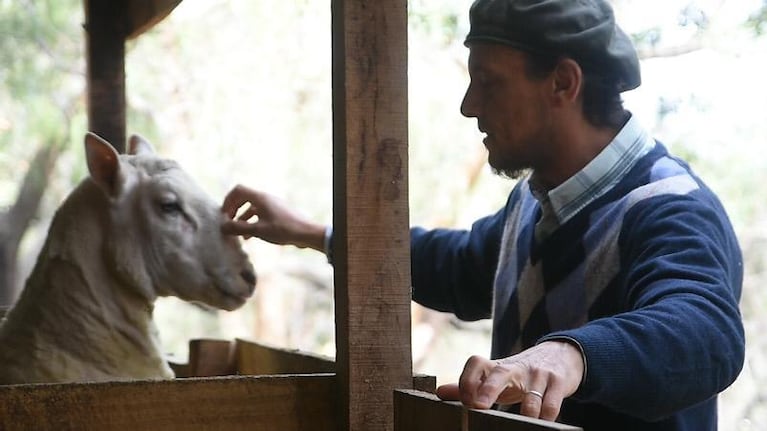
(136, 229)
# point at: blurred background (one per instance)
(238, 91)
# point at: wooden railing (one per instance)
(213, 357)
(286, 403)
(422, 411)
(256, 387)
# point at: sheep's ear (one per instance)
(103, 163)
(137, 145)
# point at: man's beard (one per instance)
(512, 174)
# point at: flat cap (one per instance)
(584, 30)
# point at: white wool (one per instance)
(136, 229)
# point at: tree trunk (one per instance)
(15, 221)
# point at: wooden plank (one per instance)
(145, 14)
(370, 209)
(425, 383)
(105, 32)
(181, 369)
(255, 358)
(420, 411)
(258, 358)
(286, 403)
(492, 420)
(208, 357)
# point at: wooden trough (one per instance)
(370, 385)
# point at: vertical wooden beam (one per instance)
(106, 29)
(370, 209)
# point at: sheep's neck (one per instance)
(80, 320)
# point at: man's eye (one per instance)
(170, 208)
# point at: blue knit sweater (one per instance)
(646, 279)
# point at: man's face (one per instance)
(510, 107)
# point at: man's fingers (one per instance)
(449, 392)
(536, 391)
(237, 227)
(504, 384)
(230, 227)
(474, 373)
(237, 197)
(497, 382)
(233, 200)
(552, 401)
(248, 213)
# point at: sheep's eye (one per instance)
(170, 208)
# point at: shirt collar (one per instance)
(598, 176)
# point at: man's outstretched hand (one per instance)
(540, 378)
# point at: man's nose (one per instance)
(468, 105)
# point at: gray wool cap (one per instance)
(584, 30)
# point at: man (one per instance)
(612, 274)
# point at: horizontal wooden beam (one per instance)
(218, 357)
(257, 358)
(421, 411)
(145, 14)
(286, 403)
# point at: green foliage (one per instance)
(435, 20)
(41, 79)
(649, 37)
(758, 20)
(38, 41)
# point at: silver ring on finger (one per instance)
(536, 393)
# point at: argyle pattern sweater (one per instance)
(645, 279)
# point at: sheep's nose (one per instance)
(250, 278)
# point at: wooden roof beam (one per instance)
(144, 14)
(108, 24)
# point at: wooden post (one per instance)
(370, 209)
(106, 27)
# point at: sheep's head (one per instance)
(165, 233)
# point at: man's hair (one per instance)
(602, 103)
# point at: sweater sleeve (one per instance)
(453, 270)
(681, 339)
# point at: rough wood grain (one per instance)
(258, 358)
(209, 357)
(370, 209)
(255, 358)
(491, 420)
(105, 32)
(145, 14)
(419, 411)
(286, 403)
(425, 383)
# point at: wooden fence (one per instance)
(256, 387)
(421, 411)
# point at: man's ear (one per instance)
(137, 145)
(568, 80)
(103, 164)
